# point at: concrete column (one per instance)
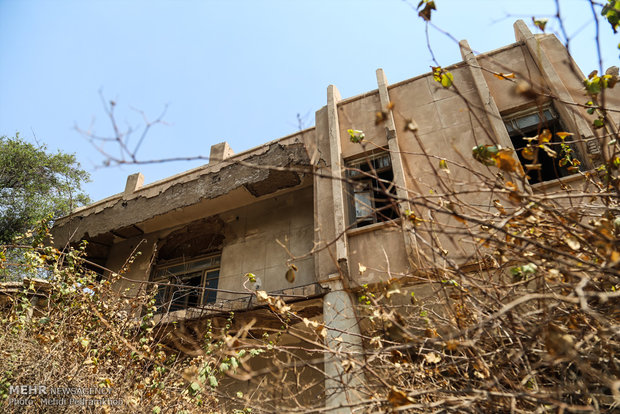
(498, 128)
(220, 152)
(336, 164)
(574, 120)
(390, 127)
(342, 382)
(397, 160)
(134, 182)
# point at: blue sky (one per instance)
(236, 71)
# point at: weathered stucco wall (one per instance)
(359, 113)
(518, 61)
(388, 258)
(248, 243)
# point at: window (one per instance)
(530, 123)
(183, 284)
(371, 189)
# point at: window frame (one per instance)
(174, 276)
(551, 120)
(366, 175)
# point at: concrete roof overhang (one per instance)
(211, 189)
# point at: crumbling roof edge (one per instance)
(203, 169)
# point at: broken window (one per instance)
(371, 189)
(187, 285)
(538, 163)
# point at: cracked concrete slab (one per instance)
(251, 173)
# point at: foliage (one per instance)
(35, 185)
(611, 12)
(75, 330)
(525, 321)
(442, 76)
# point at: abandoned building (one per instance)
(304, 214)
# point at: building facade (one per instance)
(318, 214)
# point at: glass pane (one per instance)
(200, 264)
(353, 173)
(176, 270)
(363, 204)
(190, 279)
(382, 162)
(548, 115)
(528, 121)
(211, 280)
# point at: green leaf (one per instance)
(485, 154)
(213, 381)
(540, 23)
(598, 123)
(36, 186)
(446, 79)
(356, 136)
(444, 165)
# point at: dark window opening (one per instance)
(187, 285)
(528, 124)
(371, 189)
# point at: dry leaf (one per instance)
(528, 153)
(545, 136)
(410, 125)
(504, 75)
(380, 117)
(290, 274)
(321, 331)
(505, 161)
(499, 207)
(572, 242)
(398, 398)
(549, 151)
(432, 358)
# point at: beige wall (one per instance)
(518, 61)
(381, 251)
(249, 245)
(359, 113)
